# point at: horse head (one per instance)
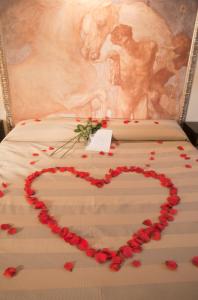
(95, 27)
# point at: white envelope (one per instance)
(100, 141)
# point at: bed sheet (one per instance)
(107, 217)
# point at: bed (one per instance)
(106, 216)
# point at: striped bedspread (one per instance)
(107, 217)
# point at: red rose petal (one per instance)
(51, 148)
(4, 185)
(101, 153)
(1, 194)
(84, 156)
(32, 162)
(147, 222)
(127, 251)
(12, 231)
(115, 267)
(69, 266)
(126, 121)
(110, 153)
(181, 148)
(195, 261)
(35, 154)
(10, 272)
(5, 226)
(171, 264)
(136, 263)
(152, 152)
(151, 158)
(101, 257)
(156, 122)
(188, 166)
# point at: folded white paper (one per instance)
(100, 141)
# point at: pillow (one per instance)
(61, 129)
(147, 130)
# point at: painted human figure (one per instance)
(162, 93)
(133, 70)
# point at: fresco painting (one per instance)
(97, 58)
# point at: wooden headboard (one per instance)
(125, 59)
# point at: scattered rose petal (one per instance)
(110, 153)
(5, 226)
(101, 153)
(44, 150)
(188, 166)
(1, 194)
(195, 261)
(112, 147)
(51, 148)
(37, 120)
(10, 272)
(35, 154)
(126, 121)
(32, 162)
(69, 266)
(4, 185)
(147, 165)
(152, 158)
(171, 264)
(156, 122)
(152, 152)
(136, 263)
(159, 142)
(12, 231)
(77, 120)
(181, 148)
(84, 156)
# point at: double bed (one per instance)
(107, 217)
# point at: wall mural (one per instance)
(97, 57)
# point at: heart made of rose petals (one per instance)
(151, 231)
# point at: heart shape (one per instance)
(134, 244)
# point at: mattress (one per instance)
(107, 217)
